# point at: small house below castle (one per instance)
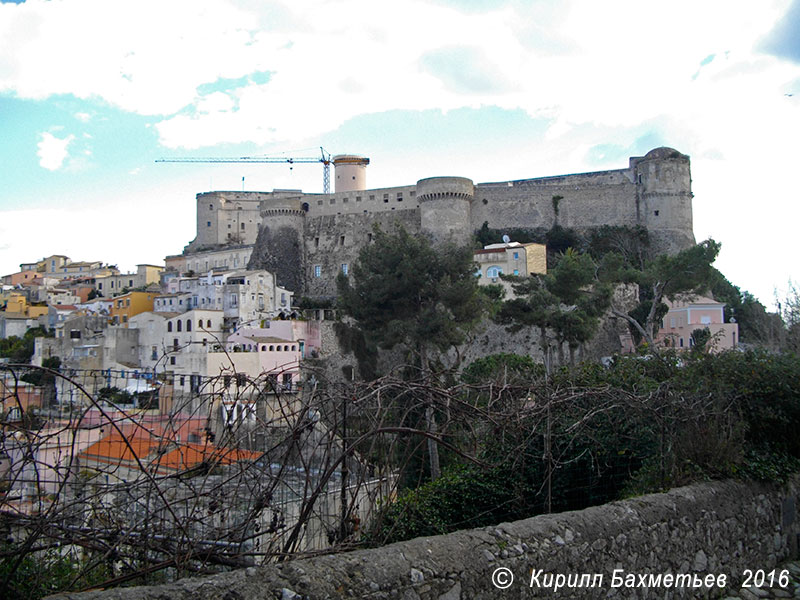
(509, 258)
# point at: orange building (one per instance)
(131, 304)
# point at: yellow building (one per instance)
(509, 258)
(131, 304)
(111, 285)
(18, 304)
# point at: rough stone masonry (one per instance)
(654, 546)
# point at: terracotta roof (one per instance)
(186, 456)
(114, 448)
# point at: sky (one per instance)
(92, 92)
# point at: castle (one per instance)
(307, 239)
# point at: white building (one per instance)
(246, 297)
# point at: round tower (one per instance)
(280, 246)
(350, 172)
(444, 204)
(664, 193)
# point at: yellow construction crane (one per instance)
(325, 159)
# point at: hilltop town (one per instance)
(209, 406)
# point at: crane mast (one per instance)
(325, 159)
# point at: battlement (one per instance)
(653, 191)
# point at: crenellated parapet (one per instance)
(664, 196)
(444, 204)
(307, 239)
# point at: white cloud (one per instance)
(331, 61)
(52, 151)
(602, 73)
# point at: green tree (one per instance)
(19, 350)
(688, 272)
(404, 291)
(565, 305)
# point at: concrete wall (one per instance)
(711, 530)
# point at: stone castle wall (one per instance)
(707, 532)
(336, 240)
(654, 191)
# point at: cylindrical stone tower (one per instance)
(664, 183)
(280, 246)
(350, 172)
(444, 204)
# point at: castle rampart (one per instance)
(327, 230)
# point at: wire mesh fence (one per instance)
(125, 478)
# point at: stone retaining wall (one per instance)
(706, 530)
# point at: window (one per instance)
(208, 223)
(242, 226)
(345, 200)
(516, 255)
(208, 324)
(169, 325)
(319, 202)
(655, 212)
(175, 344)
(341, 241)
(317, 270)
(210, 207)
(316, 242)
(345, 268)
(516, 271)
(400, 196)
(178, 323)
(494, 271)
(705, 320)
(172, 360)
(386, 198)
(369, 237)
(672, 322)
(272, 348)
(188, 324)
(333, 200)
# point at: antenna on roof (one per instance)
(506, 239)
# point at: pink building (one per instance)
(685, 315)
